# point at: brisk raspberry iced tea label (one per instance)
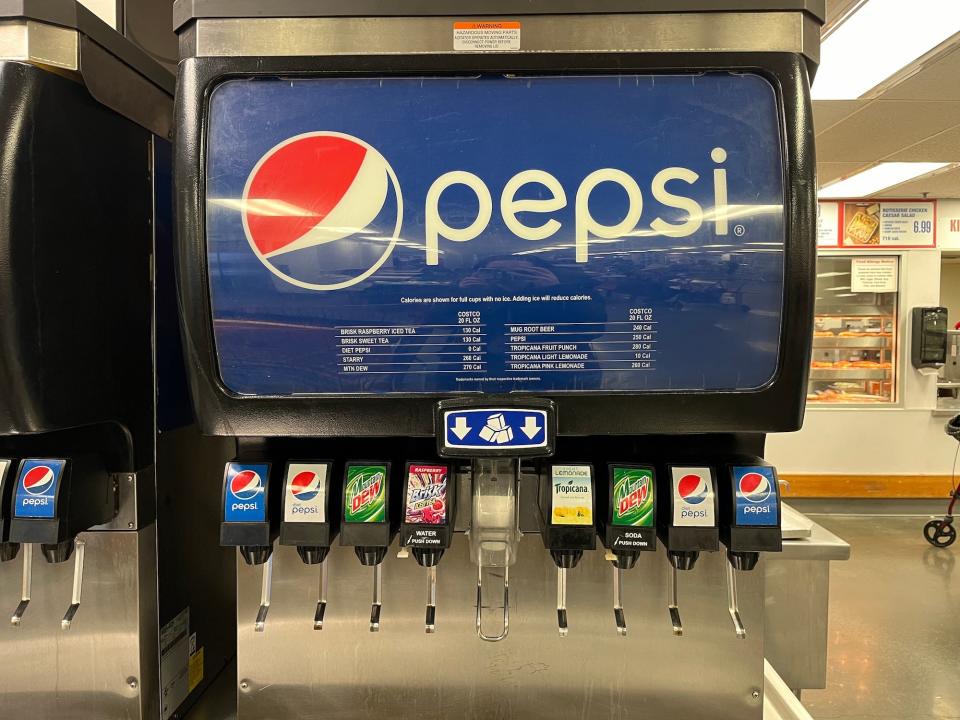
(426, 495)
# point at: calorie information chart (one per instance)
(523, 348)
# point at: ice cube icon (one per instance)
(496, 430)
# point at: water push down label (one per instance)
(426, 501)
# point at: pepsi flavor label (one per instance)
(633, 497)
(36, 492)
(245, 492)
(447, 235)
(365, 494)
(694, 497)
(572, 487)
(426, 501)
(305, 492)
(756, 489)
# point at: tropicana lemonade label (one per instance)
(572, 495)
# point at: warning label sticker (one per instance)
(492, 36)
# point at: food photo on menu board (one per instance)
(862, 223)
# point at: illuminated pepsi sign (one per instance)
(494, 234)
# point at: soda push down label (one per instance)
(633, 497)
(365, 494)
(245, 498)
(756, 489)
(36, 492)
(305, 491)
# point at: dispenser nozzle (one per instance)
(77, 586)
(265, 586)
(431, 619)
(618, 615)
(322, 602)
(25, 585)
(732, 602)
(673, 607)
(377, 600)
(562, 600)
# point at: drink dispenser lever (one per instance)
(750, 523)
(627, 525)
(249, 522)
(53, 501)
(429, 517)
(367, 522)
(311, 519)
(494, 531)
(689, 525)
(566, 504)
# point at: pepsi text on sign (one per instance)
(304, 492)
(36, 490)
(694, 497)
(756, 495)
(245, 498)
(291, 203)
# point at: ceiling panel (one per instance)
(886, 127)
(830, 171)
(940, 185)
(943, 147)
(827, 113)
(939, 80)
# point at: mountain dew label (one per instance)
(633, 497)
(365, 494)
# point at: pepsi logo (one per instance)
(38, 480)
(305, 486)
(693, 489)
(246, 485)
(754, 487)
(313, 210)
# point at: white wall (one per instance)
(903, 440)
(950, 290)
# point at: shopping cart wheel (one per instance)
(940, 533)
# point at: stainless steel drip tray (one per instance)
(344, 671)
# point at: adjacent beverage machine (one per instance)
(85, 212)
(498, 301)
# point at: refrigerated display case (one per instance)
(854, 357)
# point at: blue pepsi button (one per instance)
(244, 497)
(756, 495)
(492, 428)
(37, 488)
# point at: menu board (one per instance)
(495, 234)
(889, 224)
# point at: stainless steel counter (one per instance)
(796, 607)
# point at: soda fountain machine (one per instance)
(85, 238)
(510, 269)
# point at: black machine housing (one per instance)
(778, 406)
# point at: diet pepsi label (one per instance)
(756, 488)
(305, 492)
(245, 492)
(36, 494)
(508, 261)
(694, 497)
